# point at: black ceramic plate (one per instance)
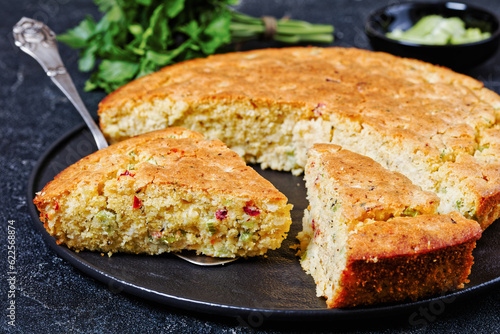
(274, 286)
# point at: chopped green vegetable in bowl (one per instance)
(437, 30)
(135, 38)
(461, 47)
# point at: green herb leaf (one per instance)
(105, 5)
(116, 71)
(87, 59)
(216, 33)
(144, 2)
(135, 38)
(78, 37)
(174, 7)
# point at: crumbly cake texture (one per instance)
(165, 191)
(371, 236)
(439, 128)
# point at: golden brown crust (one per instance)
(179, 157)
(408, 236)
(403, 278)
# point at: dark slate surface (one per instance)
(51, 296)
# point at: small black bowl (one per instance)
(458, 57)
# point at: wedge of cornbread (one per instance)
(371, 236)
(439, 128)
(165, 191)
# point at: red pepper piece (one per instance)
(316, 233)
(317, 109)
(156, 234)
(221, 214)
(126, 173)
(251, 210)
(137, 203)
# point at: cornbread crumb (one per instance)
(165, 191)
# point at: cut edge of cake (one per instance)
(395, 252)
(165, 191)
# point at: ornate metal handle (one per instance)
(37, 40)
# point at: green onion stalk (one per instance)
(245, 28)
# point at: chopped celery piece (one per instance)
(107, 219)
(483, 147)
(335, 206)
(248, 225)
(410, 212)
(471, 35)
(246, 236)
(169, 239)
(105, 216)
(424, 27)
(437, 30)
(211, 227)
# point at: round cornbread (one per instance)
(165, 191)
(439, 128)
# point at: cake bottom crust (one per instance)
(404, 278)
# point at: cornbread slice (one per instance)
(439, 128)
(371, 236)
(165, 191)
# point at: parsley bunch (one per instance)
(137, 37)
